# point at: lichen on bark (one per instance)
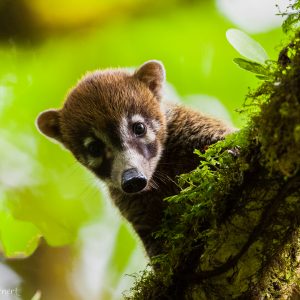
(233, 231)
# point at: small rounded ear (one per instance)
(48, 123)
(152, 73)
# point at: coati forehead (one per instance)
(101, 101)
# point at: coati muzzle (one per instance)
(133, 181)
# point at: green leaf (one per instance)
(292, 15)
(291, 21)
(124, 247)
(58, 226)
(37, 296)
(263, 77)
(18, 238)
(252, 66)
(246, 46)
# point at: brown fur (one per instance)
(99, 102)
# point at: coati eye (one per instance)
(139, 128)
(95, 148)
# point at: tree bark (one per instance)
(233, 232)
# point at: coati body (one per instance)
(116, 125)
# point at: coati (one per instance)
(116, 124)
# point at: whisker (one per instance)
(165, 178)
(153, 184)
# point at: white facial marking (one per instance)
(137, 118)
(129, 159)
(101, 137)
(149, 136)
(156, 125)
(87, 141)
(125, 136)
(92, 162)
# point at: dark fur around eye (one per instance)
(95, 148)
(139, 129)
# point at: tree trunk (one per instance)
(233, 232)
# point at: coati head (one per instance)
(113, 124)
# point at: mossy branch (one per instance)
(233, 232)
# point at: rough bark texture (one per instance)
(233, 232)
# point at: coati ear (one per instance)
(152, 73)
(48, 123)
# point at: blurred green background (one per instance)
(60, 238)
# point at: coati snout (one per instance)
(112, 122)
